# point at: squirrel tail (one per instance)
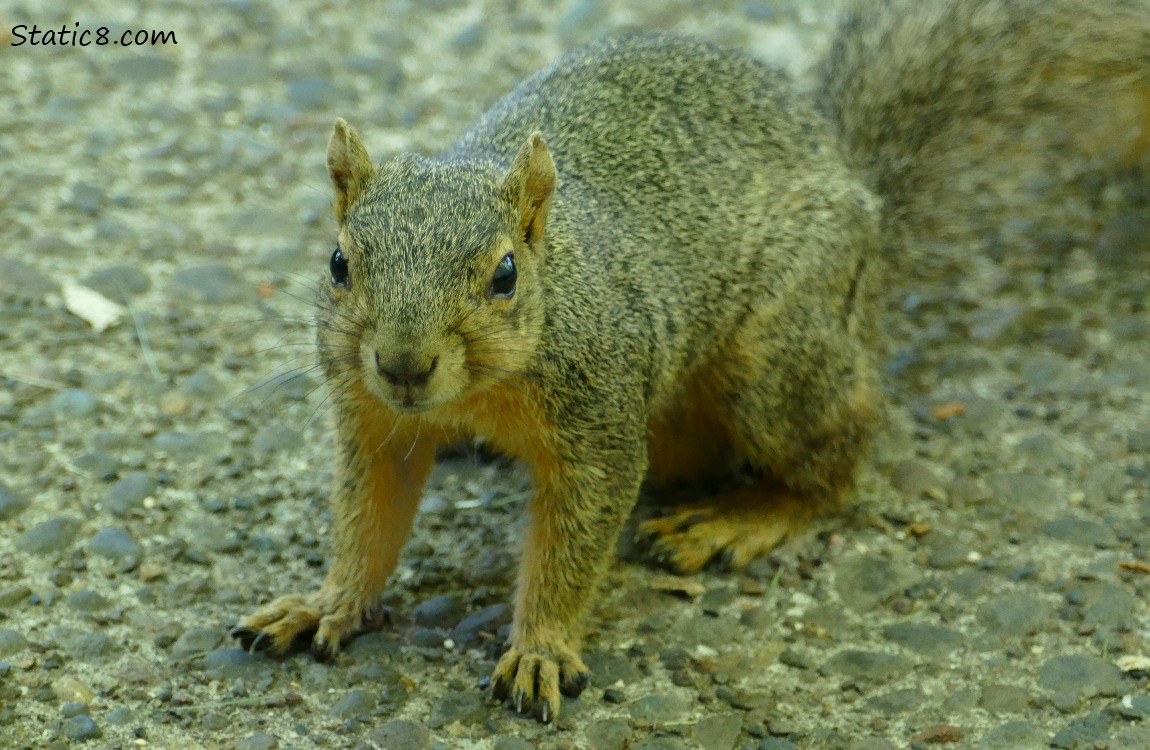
(961, 113)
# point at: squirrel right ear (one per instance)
(529, 185)
(348, 165)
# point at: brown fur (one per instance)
(698, 282)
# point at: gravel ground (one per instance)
(161, 477)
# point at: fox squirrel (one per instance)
(656, 258)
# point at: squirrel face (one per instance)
(434, 288)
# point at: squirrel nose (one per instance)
(405, 370)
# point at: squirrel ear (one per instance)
(349, 166)
(529, 185)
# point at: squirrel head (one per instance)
(435, 280)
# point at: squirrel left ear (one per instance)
(348, 165)
(529, 185)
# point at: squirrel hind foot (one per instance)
(739, 526)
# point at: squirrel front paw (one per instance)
(535, 678)
(325, 618)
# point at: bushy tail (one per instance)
(963, 113)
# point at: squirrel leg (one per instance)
(801, 430)
(576, 516)
(382, 466)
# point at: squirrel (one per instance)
(656, 258)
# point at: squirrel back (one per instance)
(964, 114)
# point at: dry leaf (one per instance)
(687, 587)
(91, 306)
(949, 411)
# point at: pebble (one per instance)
(23, 281)
(74, 403)
(719, 732)
(1081, 676)
(513, 743)
(11, 642)
(12, 503)
(46, 537)
(487, 620)
(258, 741)
(659, 709)
(401, 734)
(87, 601)
(464, 707)
(864, 582)
(190, 445)
(871, 743)
(929, 640)
(896, 701)
(98, 464)
(86, 198)
(1107, 605)
(1004, 699)
(119, 716)
(275, 438)
(609, 734)
(1135, 707)
(1013, 615)
(868, 665)
(114, 544)
(1033, 494)
(1081, 531)
(80, 727)
(231, 662)
(660, 743)
(1014, 735)
(210, 283)
(119, 283)
(1088, 732)
(437, 612)
(196, 641)
(129, 493)
(609, 667)
(357, 702)
(140, 69)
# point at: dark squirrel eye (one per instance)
(503, 282)
(338, 268)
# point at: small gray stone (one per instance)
(608, 667)
(87, 601)
(23, 281)
(1004, 699)
(719, 731)
(1013, 615)
(401, 734)
(1107, 605)
(1080, 675)
(464, 707)
(12, 504)
(1135, 707)
(580, 22)
(119, 716)
(912, 478)
(437, 612)
(114, 544)
(1014, 735)
(211, 283)
(659, 709)
(513, 743)
(190, 445)
(228, 663)
(196, 641)
(1028, 492)
(609, 734)
(864, 582)
(97, 464)
(486, 620)
(73, 708)
(868, 665)
(929, 640)
(86, 198)
(1091, 731)
(203, 385)
(80, 727)
(871, 743)
(1080, 531)
(74, 403)
(119, 283)
(896, 701)
(776, 743)
(11, 642)
(129, 492)
(53, 535)
(357, 702)
(258, 741)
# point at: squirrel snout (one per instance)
(405, 369)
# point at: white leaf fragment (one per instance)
(91, 306)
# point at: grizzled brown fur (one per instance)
(698, 259)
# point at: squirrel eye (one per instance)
(338, 268)
(503, 282)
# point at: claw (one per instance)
(258, 642)
(520, 696)
(545, 710)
